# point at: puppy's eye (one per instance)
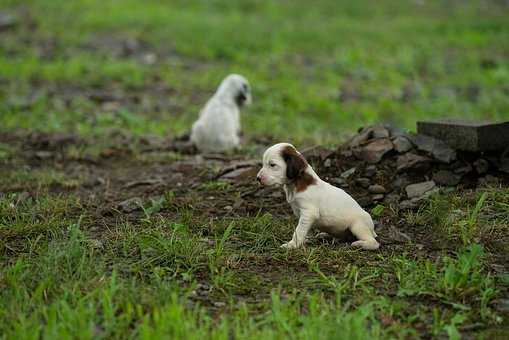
(272, 165)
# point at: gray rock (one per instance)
(463, 169)
(410, 161)
(446, 178)
(402, 144)
(7, 21)
(481, 166)
(44, 154)
(401, 182)
(348, 173)
(363, 182)
(380, 131)
(488, 180)
(394, 235)
(419, 189)
(317, 151)
(435, 147)
(327, 163)
(365, 201)
(130, 205)
(94, 181)
(409, 204)
(392, 199)
(378, 197)
(376, 189)
(241, 174)
(374, 151)
(361, 137)
(370, 171)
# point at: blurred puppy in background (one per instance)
(218, 127)
(314, 201)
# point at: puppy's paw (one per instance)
(290, 245)
(368, 245)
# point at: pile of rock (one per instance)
(384, 164)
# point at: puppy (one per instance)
(218, 126)
(313, 201)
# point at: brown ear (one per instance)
(295, 163)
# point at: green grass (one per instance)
(317, 70)
(72, 265)
(153, 276)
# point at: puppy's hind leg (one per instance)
(365, 235)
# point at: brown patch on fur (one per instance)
(296, 166)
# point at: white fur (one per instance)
(322, 205)
(218, 126)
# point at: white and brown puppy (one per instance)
(218, 127)
(314, 202)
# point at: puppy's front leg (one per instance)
(306, 220)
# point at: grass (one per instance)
(313, 71)
(184, 263)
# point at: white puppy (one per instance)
(218, 127)
(314, 202)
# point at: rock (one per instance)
(463, 169)
(365, 201)
(481, 166)
(402, 144)
(378, 197)
(376, 189)
(130, 205)
(94, 181)
(7, 21)
(409, 204)
(401, 182)
(241, 174)
(435, 147)
(488, 180)
(338, 181)
(392, 199)
(446, 178)
(410, 161)
(148, 181)
(363, 182)
(380, 131)
(396, 236)
(348, 173)
(360, 138)
(374, 151)
(317, 152)
(327, 163)
(43, 154)
(219, 304)
(419, 189)
(370, 171)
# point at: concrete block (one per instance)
(467, 135)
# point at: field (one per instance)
(106, 232)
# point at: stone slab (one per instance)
(467, 135)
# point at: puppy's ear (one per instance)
(295, 163)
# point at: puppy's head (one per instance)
(237, 88)
(282, 164)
